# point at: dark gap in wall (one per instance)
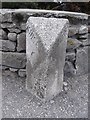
(75, 59)
(82, 38)
(22, 51)
(17, 18)
(4, 68)
(6, 30)
(16, 46)
(23, 31)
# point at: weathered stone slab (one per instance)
(82, 61)
(14, 60)
(46, 40)
(21, 42)
(83, 29)
(3, 34)
(73, 31)
(7, 45)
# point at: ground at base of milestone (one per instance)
(19, 103)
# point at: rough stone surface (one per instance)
(21, 42)
(16, 30)
(18, 103)
(70, 56)
(45, 38)
(12, 36)
(85, 42)
(73, 31)
(14, 60)
(0, 17)
(7, 25)
(7, 17)
(73, 44)
(13, 69)
(83, 36)
(3, 34)
(7, 45)
(23, 26)
(82, 61)
(88, 28)
(22, 72)
(69, 69)
(83, 29)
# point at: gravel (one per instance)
(19, 103)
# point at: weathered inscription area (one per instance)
(46, 41)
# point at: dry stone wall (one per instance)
(13, 39)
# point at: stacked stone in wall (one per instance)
(13, 39)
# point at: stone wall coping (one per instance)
(58, 13)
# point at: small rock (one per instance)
(14, 30)
(22, 73)
(23, 26)
(39, 104)
(83, 29)
(65, 88)
(51, 101)
(73, 44)
(12, 36)
(65, 83)
(13, 70)
(7, 25)
(72, 31)
(69, 68)
(3, 34)
(70, 56)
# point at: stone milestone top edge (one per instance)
(64, 20)
(59, 13)
(48, 29)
